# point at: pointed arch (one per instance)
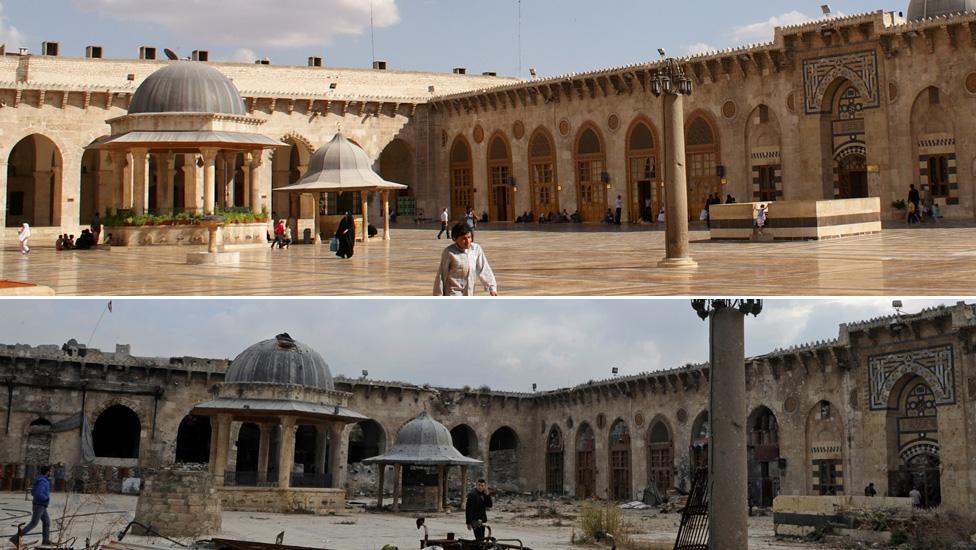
(585, 461)
(555, 452)
(934, 145)
(645, 190)
(825, 449)
(34, 182)
(763, 139)
(703, 156)
(465, 440)
(461, 176)
(590, 160)
(700, 437)
(543, 173)
(765, 475)
(660, 454)
(501, 206)
(288, 165)
(619, 466)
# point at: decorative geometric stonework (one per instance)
(478, 134)
(790, 404)
(971, 83)
(518, 130)
(934, 365)
(613, 122)
(729, 109)
(860, 68)
(639, 419)
(926, 448)
(564, 127)
(682, 416)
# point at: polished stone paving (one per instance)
(527, 260)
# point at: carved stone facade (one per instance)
(890, 401)
(872, 103)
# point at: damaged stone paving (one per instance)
(553, 261)
(541, 525)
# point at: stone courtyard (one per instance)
(530, 261)
(512, 518)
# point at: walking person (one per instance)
(462, 265)
(23, 235)
(619, 209)
(346, 235)
(279, 234)
(914, 207)
(470, 220)
(476, 509)
(41, 491)
(445, 217)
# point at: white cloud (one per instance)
(259, 23)
(9, 35)
(700, 48)
(763, 31)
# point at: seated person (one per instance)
(484, 217)
(549, 218)
(59, 244)
(542, 218)
(86, 241)
(608, 218)
(70, 243)
(372, 231)
(576, 218)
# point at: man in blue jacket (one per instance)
(41, 491)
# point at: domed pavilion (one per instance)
(186, 144)
(421, 456)
(279, 411)
(341, 167)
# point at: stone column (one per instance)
(386, 215)
(264, 448)
(362, 196)
(191, 184)
(397, 483)
(220, 448)
(443, 488)
(3, 197)
(464, 487)
(321, 449)
(119, 160)
(676, 182)
(104, 197)
(140, 180)
(286, 452)
(381, 472)
(230, 172)
(246, 174)
(209, 179)
(338, 453)
(164, 188)
(727, 469)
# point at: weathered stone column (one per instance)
(264, 450)
(191, 184)
(104, 196)
(464, 487)
(397, 484)
(230, 172)
(381, 473)
(321, 449)
(209, 179)
(246, 174)
(140, 180)
(220, 448)
(164, 188)
(386, 215)
(443, 488)
(362, 197)
(286, 452)
(676, 183)
(728, 521)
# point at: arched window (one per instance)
(645, 198)
(462, 184)
(620, 461)
(500, 180)
(660, 457)
(585, 462)
(591, 175)
(116, 433)
(503, 459)
(193, 440)
(554, 462)
(542, 174)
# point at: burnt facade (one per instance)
(889, 401)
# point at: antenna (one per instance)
(372, 34)
(170, 54)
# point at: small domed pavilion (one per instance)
(924, 9)
(278, 394)
(186, 123)
(341, 166)
(421, 456)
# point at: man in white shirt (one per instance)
(444, 219)
(463, 264)
(620, 208)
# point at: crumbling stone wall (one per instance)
(179, 503)
(504, 470)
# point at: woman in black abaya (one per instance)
(346, 235)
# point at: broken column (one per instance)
(179, 503)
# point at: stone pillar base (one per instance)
(676, 263)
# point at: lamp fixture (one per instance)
(747, 306)
(671, 80)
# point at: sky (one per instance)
(500, 343)
(506, 36)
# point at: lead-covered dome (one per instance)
(187, 87)
(423, 440)
(923, 9)
(280, 360)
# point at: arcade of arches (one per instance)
(876, 405)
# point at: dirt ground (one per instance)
(540, 525)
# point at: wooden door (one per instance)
(592, 191)
(660, 461)
(585, 474)
(620, 474)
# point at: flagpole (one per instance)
(108, 307)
